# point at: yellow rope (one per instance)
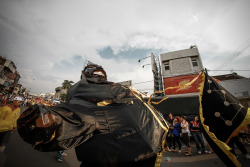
(160, 101)
(180, 87)
(150, 109)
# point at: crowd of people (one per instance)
(6, 99)
(10, 112)
(180, 131)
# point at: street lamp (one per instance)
(145, 65)
(143, 58)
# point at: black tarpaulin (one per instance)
(178, 105)
(106, 123)
(222, 116)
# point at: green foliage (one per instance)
(63, 97)
(67, 84)
(57, 88)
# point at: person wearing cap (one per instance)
(8, 121)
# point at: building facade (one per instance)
(59, 92)
(237, 85)
(179, 68)
(9, 77)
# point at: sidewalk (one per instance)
(197, 160)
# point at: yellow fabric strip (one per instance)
(158, 159)
(160, 101)
(52, 137)
(157, 119)
(223, 146)
(243, 125)
(159, 155)
(104, 103)
(180, 87)
(189, 83)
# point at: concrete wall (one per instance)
(181, 62)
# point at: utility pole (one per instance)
(156, 69)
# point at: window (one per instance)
(194, 62)
(166, 66)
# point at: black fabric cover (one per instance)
(122, 133)
(179, 105)
(223, 115)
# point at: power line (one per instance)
(146, 89)
(228, 70)
(236, 53)
(142, 82)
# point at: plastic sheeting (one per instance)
(222, 117)
(189, 105)
(106, 123)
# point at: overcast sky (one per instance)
(49, 40)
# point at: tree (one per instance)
(67, 84)
(63, 97)
(57, 88)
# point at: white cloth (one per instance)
(18, 98)
(185, 127)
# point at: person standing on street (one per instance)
(185, 132)
(176, 132)
(236, 140)
(8, 121)
(196, 133)
(60, 155)
(170, 136)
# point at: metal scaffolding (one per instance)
(156, 69)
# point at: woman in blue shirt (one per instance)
(176, 132)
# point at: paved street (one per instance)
(19, 153)
(196, 160)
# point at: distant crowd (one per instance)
(10, 112)
(180, 131)
(6, 99)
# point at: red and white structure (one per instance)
(179, 68)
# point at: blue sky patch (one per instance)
(127, 53)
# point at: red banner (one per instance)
(180, 81)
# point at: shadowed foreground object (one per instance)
(108, 124)
(222, 116)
